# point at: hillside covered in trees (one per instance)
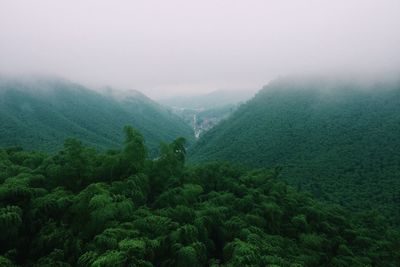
(39, 113)
(80, 207)
(337, 138)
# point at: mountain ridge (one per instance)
(42, 113)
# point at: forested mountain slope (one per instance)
(338, 139)
(83, 208)
(42, 113)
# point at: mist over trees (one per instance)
(303, 173)
(40, 113)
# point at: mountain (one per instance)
(40, 113)
(337, 138)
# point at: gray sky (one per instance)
(178, 47)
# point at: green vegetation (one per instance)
(336, 139)
(40, 114)
(119, 208)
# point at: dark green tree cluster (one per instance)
(80, 207)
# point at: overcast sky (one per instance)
(173, 47)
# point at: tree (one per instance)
(134, 153)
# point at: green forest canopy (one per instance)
(338, 139)
(80, 207)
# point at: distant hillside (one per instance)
(201, 120)
(42, 113)
(215, 99)
(339, 139)
(203, 112)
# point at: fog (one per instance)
(165, 48)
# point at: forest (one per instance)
(335, 138)
(84, 207)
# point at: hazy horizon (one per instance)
(173, 48)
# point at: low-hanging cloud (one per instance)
(181, 46)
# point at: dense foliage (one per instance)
(337, 139)
(40, 113)
(118, 208)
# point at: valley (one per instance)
(305, 172)
(199, 133)
(203, 112)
